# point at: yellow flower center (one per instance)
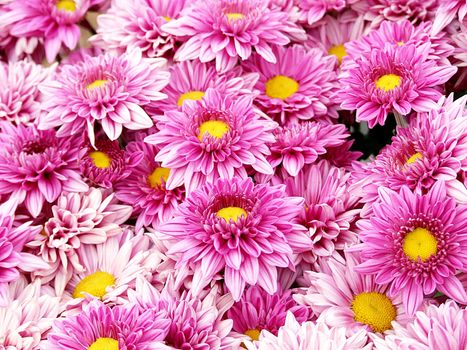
(231, 213)
(338, 51)
(281, 87)
(375, 310)
(233, 16)
(104, 344)
(167, 18)
(96, 84)
(420, 243)
(414, 158)
(100, 159)
(400, 43)
(253, 334)
(66, 5)
(190, 95)
(215, 128)
(388, 82)
(95, 284)
(157, 176)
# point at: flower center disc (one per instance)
(414, 158)
(96, 84)
(95, 284)
(104, 344)
(157, 176)
(100, 159)
(215, 128)
(281, 87)
(231, 213)
(420, 243)
(388, 82)
(253, 334)
(233, 16)
(66, 5)
(190, 95)
(338, 51)
(375, 310)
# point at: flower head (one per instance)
(311, 11)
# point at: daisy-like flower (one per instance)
(100, 327)
(19, 96)
(395, 79)
(216, 137)
(137, 24)
(248, 230)
(145, 189)
(446, 12)
(77, 218)
(416, 243)
(54, 22)
(311, 11)
(36, 166)
(226, 30)
(300, 85)
(309, 335)
(105, 89)
(341, 297)
(257, 310)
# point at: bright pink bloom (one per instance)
(106, 89)
(446, 13)
(226, 30)
(234, 225)
(311, 11)
(216, 137)
(416, 243)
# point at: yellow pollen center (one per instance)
(66, 5)
(253, 334)
(100, 159)
(375, 310)
(96, 84)
(231, 213)
(388, 82)
(233, 16)
(190, 95)
(104, 344)
(95, 284)
(157, 176)
(400, 43)
(338, 51)
(281, 87)
(420, 243)
(215, 128)
(167, 18)
(414, 158)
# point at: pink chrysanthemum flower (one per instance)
(309, 335)
(216, 137)
(311, 11)
(36, 166)
(415, 243)
(130, 24)
(145, 189)
(100, 327)
(341, 297)
(107, 164)
(300, 85)
(257, 311)
(447, 11)
(77, 218)
(247, 230)
(226, 30)
(19, 96)
(54, 22)
(395, 79)
(28, 315)
(105, 89)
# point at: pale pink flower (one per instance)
(447, 11)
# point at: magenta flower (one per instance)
(395, 79)
(416, 243)
(226, 30)
(216, 137)
(311, 11)
(247, 230)
(300, 85)
(446, 12)
(36, 166)
(106, 89)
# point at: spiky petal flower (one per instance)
(311, 11)
(36, 166)
(416, 243)
(393, 79)
(106, 89)
(227, 30)
(247, 230)
(216, 137)
(446, 13)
